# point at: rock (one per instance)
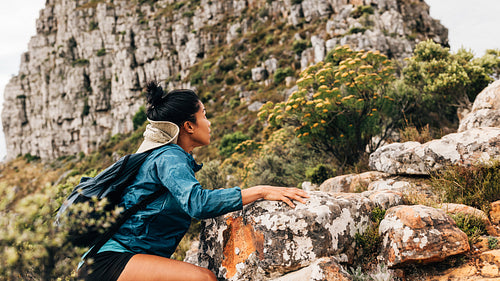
(384, 199)
(323, 269)
(315, 9)
(419, 234)
(394, 157)
(351, 182)
(192, 253)
(490, 271)
(271, 65)
(269, 238)
(495, 212)
(466, 148)
(259, 74)
(492, 257)
(255, 106)
(390, 184)
(246, 96)
(309, 186)
(318, 45)
(485, 110)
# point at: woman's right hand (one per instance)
(274, 193)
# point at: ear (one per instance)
(188, 127)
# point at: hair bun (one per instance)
(154, 93)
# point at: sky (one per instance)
(473, 25)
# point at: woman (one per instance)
(141, 248)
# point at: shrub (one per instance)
(29, 158)
(281, 160)
(93, 25)
(492, 243)
(32, 248)
(362, 10)
(211, 176)
(471, 225)
(411, 133)
(197, 78)
(377, 215)
(281, 74)
(229, 142)
(228, 64)
(101, 52)
(298, 46)
(340, 104)
(444, 82)
(355, 30)
(368, 243)
(269, 40)
(80, 62)
(188, 14)
(319, 174)
(475, 186)
(139, 117)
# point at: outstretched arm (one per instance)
(274, 193)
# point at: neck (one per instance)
(185, 143)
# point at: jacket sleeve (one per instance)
(178, 177)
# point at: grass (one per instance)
(476, 186)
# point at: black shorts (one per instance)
(106, 266)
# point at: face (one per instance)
(201, 130)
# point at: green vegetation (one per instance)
(29, 158)
(32, 248)
(80, 62)
(493, 243)
(101, 52)
(139, 117)
(471, 225)
(319, 174)
(229, 142)
(445, 82)
(349, 105)
(93, 25)
(362, 10)
(369, 242)
(475, 186)
(281, 74)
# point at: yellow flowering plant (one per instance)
(340, 103)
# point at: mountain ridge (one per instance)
(80, 81)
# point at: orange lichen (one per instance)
(243, 237)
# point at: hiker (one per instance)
(141, 248)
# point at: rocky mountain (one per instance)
(80, 80)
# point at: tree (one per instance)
(340, 104)
(446, 82)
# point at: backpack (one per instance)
(108, 184)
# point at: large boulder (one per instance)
(269, 239)
(419, 234)
(485, 111)
(351, 182)
(412, 158)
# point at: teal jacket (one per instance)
(159, 228)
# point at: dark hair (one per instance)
(177, 106)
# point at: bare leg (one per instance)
(155, 268)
